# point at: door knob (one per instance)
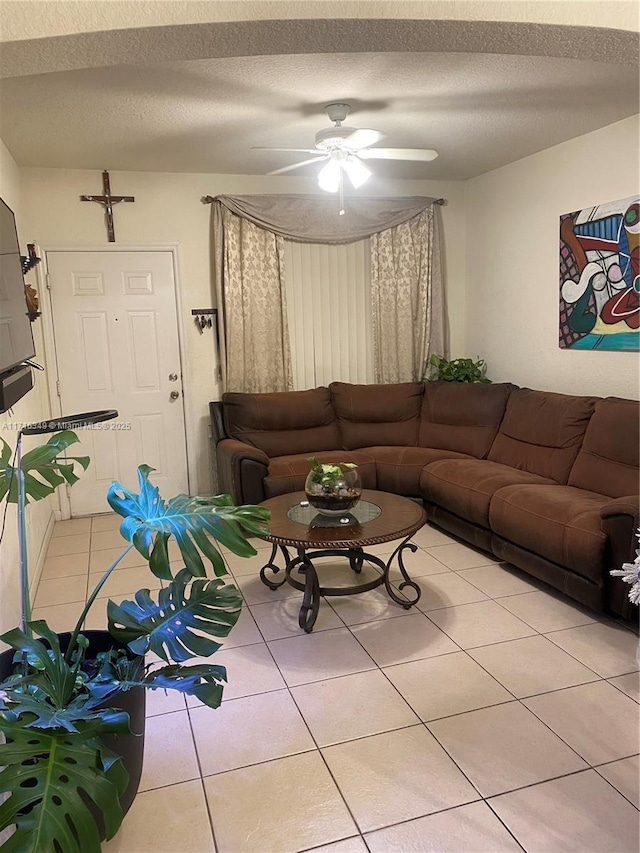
(173, 377)
(174, 395)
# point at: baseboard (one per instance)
(35, 579)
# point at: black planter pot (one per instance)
(130, 747)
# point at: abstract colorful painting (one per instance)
(600, 277)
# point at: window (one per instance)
(329, 312)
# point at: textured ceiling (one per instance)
(482, 106)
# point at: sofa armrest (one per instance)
(216, 419)
(241, 470)
(620, 519)
(629, 506)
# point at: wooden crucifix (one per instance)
(108, 201)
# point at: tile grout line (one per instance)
(443, 811)
(590, 766)
(609, 680)
(637, 808)
(339, 841)
(521, 702)
(596, 678)
(536, 633)
(466, 712)
(311, 735)
(202, 778)
(380, 668)
(422, 723)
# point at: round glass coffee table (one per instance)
(378, 517)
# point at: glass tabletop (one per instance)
(361, 513)
(378, 517)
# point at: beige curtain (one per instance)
(406, 298)
(315, 219)
(249, 277)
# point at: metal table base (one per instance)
(311, 588)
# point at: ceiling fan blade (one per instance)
(297, 165)
(398, 154)
(300, 150)
(362, 138)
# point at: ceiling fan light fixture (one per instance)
(333, 137)
(357, 172)
(329, 176)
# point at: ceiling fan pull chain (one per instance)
(341, 195)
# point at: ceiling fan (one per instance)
(344, 149)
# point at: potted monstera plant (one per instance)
(70, 710)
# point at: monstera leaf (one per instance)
(149, 522)
(50, 695)
(42, 715)
(43, 470)
(168, 627)
(204, 681)
(49, 669)
(50, 775)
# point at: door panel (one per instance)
(116, 333)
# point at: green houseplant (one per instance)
(59, 705)
(457, 370)
(332, 487)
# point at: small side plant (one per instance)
(630, 573)
(457, 370)
(332, 487)
(329, 475)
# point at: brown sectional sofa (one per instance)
(546, 481)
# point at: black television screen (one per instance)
(16, 340)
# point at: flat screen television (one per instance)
(16, 340)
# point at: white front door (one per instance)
(116, 338)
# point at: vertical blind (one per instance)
(329, 312)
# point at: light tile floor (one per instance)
(495, 716)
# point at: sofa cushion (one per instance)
(377, 414)
(608, 460)
(288, 473)
(466, 486)
(561, 523)
(283, 422)
(541, 432)
(398, 469)
(462, 417)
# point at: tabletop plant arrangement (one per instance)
(332, 487)
(59, 703)
(457, 370)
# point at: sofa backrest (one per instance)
(461, 416)
(371, 415)
(541, 432)
(608, 460)
(283, 423)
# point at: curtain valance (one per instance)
(313, 219)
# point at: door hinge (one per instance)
(47, 279)
(58, 388)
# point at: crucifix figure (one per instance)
(108, 201)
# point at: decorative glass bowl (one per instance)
(333, 489)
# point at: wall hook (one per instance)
(203, 317)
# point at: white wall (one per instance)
(32, 407)
(168, 209)
(512, 262)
